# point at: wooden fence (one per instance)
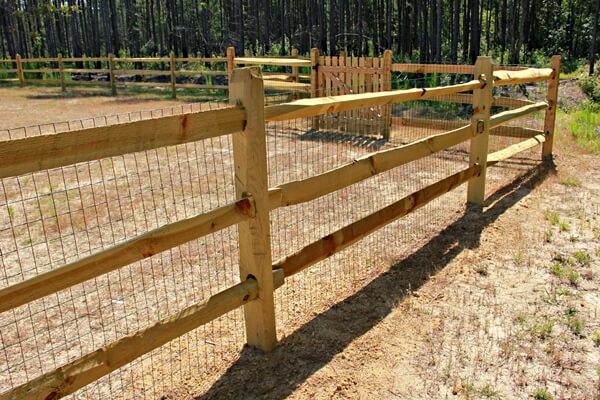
(260, 275)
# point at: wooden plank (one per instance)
(230, 63)
(20, 70)
(445, 68)
(201, 59)
(287, 86)
(85, 59)
(315, 84)
(88, 83)
(528, 75)
(480, 123)
(144, 59)
(53, 81)
(359, 69)
(145, 72)
(37, 153)
(41, 70)
(442, 124)
(510, 115)
(111, 75)
(204, 87)
(39, 59)
(339, 240)
(144, 84)
(511, 151)
(91, 367)
(386, 85)
(552, 99)
(172, 66)
(201, 73)
(251, 176)
(308, 189)
(86, 70)
(295, 69)
(334, 104)
(284, 62)
(135, 249)
(8, 70)
(61, 73)
(498, 101)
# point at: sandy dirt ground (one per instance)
(499, 305)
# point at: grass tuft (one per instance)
(542, 394)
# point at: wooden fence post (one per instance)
(315, 85)
(111, 74)
(295, 70)
(250, 159)
(61, 73)
(173, 77)
(230, 63)
(480, 123)
(387, 85)
(552, 98)
(20, 73)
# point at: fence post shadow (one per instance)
(298, 356)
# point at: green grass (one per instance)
(553, 218)
(542, 394)
(585, 126)
(583, 258)
(596, 338)
(568, 181)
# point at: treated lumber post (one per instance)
(111, 74)
(230, 63)
(173, 78)
(314, 82)
(387, 85)
(20, 73)
(552, 98)
(480, 124)
(295, 70)
(61, 73)
(250, 160)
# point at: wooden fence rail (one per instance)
(259, 275)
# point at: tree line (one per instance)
(513, 31)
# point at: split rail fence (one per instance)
(259, 275)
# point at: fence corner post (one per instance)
(480, 125)
(246, 89)
(552, 98)
(387, 85)
(230, 63)
(173, 77)
(314, 82)
(61, 73)
(111, 74)
(20, 73)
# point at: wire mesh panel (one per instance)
(52, 217)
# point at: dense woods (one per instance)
(513, 31)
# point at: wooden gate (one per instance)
(342, 75)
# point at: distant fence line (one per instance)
(304, 74)
(260, 275)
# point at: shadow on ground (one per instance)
(298, 356)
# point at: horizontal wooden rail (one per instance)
(135, 249)
(285, 62)
(295, 86)
(510, 151)
(141, 72)
(200, 59)
(498, 101)
(41, 70)
(91, 367)
(41, 80)
(510, 115)
(144, 84)
(85, 59)
(528, 75)
(199, 86)
(39, 59)
(334, 104)
(443, 124)
(86, 70)
(8, 70)
(369, 165)
(39, 153)
(143, 59)
(201, 73)
(339, 240)
(445, 68)
(350, 69)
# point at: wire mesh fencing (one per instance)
(52, 217)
